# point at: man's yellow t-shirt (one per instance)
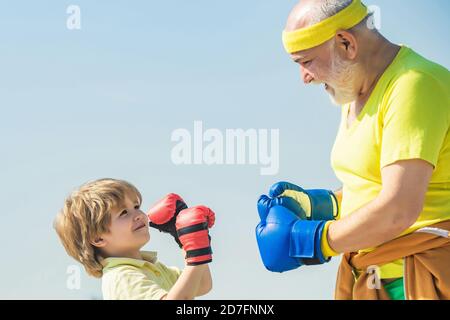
(133, 279)
(406, 117)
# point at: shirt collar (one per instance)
(147, 257)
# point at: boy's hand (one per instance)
(164, 213)
(192, 227)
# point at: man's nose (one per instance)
(307, 76)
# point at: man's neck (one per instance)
(378, 58)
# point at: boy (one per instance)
(102, 226)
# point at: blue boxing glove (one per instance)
(315, 204)
(285, 241)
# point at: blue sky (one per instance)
(102, 101)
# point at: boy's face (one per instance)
(128, 231)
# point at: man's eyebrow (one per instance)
(297, 60)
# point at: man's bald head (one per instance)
(309, 12)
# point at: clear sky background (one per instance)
(102, 101)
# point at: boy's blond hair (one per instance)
(86, 215)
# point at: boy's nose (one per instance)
(137, 216)
(140, 215)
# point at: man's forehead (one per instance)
(308, 53)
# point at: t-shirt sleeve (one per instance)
(173, 272)
(416, 120)
(133, 284)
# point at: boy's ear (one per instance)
(98, 242)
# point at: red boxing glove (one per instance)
(192, 227)
(164, 213)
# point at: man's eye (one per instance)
(306, 62)
(123, 213)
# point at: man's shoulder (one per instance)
(414, 69)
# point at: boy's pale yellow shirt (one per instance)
(406, 117)
(133, 279)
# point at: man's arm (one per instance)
(338, 194)
(395, 209)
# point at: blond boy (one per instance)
(103, 227)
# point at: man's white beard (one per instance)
(341, 81)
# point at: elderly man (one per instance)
(392, 154)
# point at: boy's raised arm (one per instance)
(205, 284)
(188, 284)
(192, 226)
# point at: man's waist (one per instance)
(405, 245)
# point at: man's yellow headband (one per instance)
(324, 30)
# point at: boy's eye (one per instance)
(123, 213)
(137, 206)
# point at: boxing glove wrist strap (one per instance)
(306, 238)
(198, 252)
(193, 228)
(325, 246)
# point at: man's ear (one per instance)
(98, 242)
(346, 44)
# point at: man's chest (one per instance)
(357, 149)
(353, 113)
